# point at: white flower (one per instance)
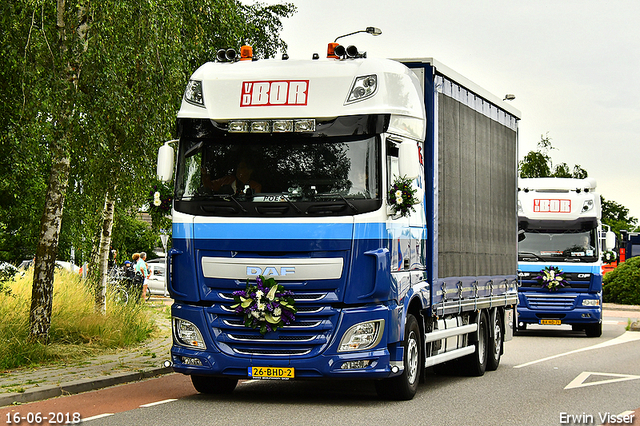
(157, 202)
(277, 312)
(259, 295)
(261, 306)
(399, 194)
(255, 314)
(399, 200)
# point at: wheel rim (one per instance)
(497, 347)
(412, 358)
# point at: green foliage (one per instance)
(76, 330)
(117, 90)
(617, 217)
(537, 164)
(132, 235)
(622, 285)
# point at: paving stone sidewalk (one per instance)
(146, 360)
(122, 366)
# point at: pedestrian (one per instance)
(143, 269)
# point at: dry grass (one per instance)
(76, 329)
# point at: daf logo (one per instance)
(272, 271)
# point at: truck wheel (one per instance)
(404, 387)
(213, 385)
(593, 330)
(495, 343)
(476, 363)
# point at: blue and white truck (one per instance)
(285, 177)
(560, 249)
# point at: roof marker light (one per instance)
(331, 50)
(246, 53)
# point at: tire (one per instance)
(213, 385)
(404, 386)
(475, 364)
(120, 295)
(593, 330)
(496, 342)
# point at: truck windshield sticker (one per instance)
(274, 93)
(551, 206)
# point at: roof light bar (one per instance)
(301, 125)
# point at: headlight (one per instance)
(587, 205)
(193, 93)
(591, 302)
(362, 336)
(187, 334)
(363, 88)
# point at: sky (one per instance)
(573, 65)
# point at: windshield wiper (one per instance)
(291, 203)
(526, 253)
(347, 202)
(226, 197)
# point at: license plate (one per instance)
(550, 322)
(271, 373)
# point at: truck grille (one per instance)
(550, 301)
(307, 336)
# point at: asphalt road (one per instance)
(548, 376)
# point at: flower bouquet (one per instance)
(402, 197)
(551, 277)
(265, 305)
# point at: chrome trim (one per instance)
(271, 354)
(231, 336)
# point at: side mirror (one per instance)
(409, 159)
(521, 235)
(610, 241)
(165, 162)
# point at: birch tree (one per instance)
(66, 50)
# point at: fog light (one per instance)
(191, 361)
(353, 365)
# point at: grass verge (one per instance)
(76, 329)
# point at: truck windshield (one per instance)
(248, 172)
(571, 246)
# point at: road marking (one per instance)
(628, 336)
(151, 404)
(99, 416)
(579, 382)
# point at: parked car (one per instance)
(156, 283)
(26, 264)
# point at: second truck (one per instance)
(560, 253)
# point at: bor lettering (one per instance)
(274, 93)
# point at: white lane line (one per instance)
(151, 404)
(579, 382)
(628, 336)
(99, 416)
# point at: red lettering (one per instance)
(551, 206)
(274, 93)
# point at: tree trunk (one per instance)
(64, 99)
(46, 253)
(103, 257)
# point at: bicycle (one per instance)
(117, 284)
